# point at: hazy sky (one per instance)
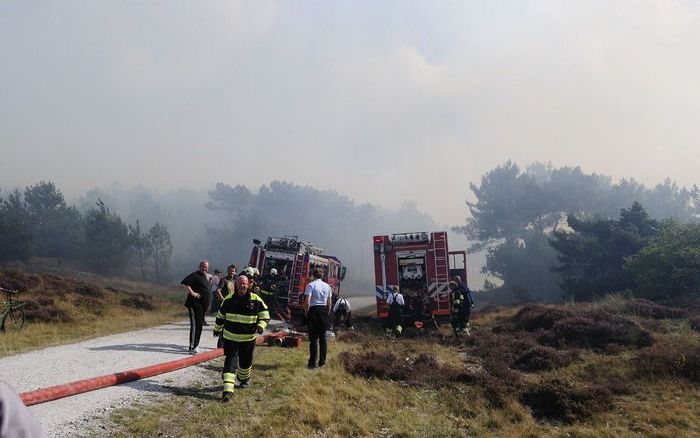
(382, 101)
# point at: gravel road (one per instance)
(74, 416)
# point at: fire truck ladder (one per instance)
(440, 256)
(296, 280)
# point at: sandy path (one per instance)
(51, 366)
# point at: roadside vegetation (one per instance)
(615, 367)
(65, 309)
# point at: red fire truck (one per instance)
(294, 261)
(422, 265)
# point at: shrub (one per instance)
(695, 322)
(536, 317)
(422, 371)
(88, 290)
(556, 400)
(541, 358)
(500, 347)
(138, 301)
(649, 309)
(55, 285)
(44, 310)
(669, 360)
(90, 305)
(16, 280)
(600, 332)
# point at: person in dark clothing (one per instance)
(317, 305)
(466, 305)
(198, 290)
(457, 305)
(242, 314)
(395, 302)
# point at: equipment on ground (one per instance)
(421, 265)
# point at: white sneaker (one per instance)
(194, 351)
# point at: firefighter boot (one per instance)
(244, 377)
(229, 385)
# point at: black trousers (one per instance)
(196, 311)
(342, 319)
(239, 356)
(318, 324)
(215, 303)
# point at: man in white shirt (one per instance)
(318, 300)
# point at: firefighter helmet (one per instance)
(249, 272)
(273, 271)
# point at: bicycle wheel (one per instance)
(14, 320)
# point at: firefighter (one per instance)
(242, 314)
(395, 302)
(456, 308)
(268, 288)
(468, 302)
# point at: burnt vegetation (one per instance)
(564, 363)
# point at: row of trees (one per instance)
(39, 222)
(326, 218)
(548, 232)
(657, 260)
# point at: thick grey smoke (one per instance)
(383, 101)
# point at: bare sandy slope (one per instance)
(72, 416)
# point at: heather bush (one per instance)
(536, 317)
(695, 322)
(58, 286)
(542, 358)
(669, 361)
(649, 309)
(89, 290)
(422, 371)
(89, 305)
(557, 400)
(19, 281)
(500, 347)
(600, 332)
(44, 310)
(138, 301)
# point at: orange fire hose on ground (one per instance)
(60, 391)
(86, 385)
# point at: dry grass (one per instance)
(65, 309)
(607, 398)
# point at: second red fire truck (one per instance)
(422, 265)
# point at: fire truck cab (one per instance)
(422, 265)
(294, 262)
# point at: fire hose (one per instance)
(86, 385)
(52, 393)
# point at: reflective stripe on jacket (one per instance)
(239, 317)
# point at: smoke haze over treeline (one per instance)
(511, 216)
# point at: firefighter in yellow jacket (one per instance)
(242, 314)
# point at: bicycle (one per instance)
(12, 312)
